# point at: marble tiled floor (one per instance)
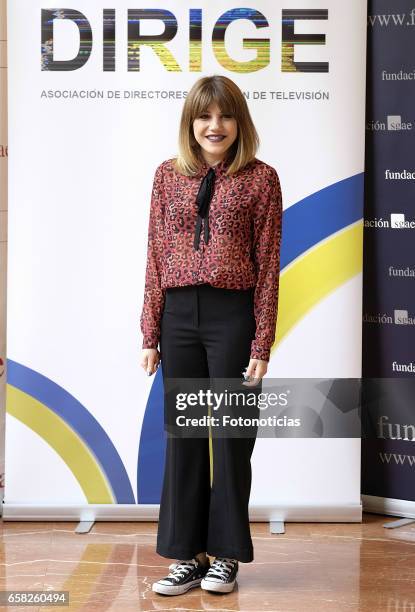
(312, 567)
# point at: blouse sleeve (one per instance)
(153, 293)
(266, 256)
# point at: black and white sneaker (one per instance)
(221, 576)
(184, 575)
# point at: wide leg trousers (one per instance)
(206, 332)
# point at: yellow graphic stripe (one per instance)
(72, 450)
(313, 276)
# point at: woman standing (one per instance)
(210, 300)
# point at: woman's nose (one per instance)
(215, 122)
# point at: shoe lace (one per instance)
(181, 568)
(222, 567)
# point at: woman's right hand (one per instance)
(150, 360)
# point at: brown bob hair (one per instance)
(230, 99)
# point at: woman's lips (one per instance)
(215, 138)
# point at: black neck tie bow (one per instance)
(203, 199)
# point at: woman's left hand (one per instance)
(255, 371)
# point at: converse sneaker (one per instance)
(221, 576)
(184, 575)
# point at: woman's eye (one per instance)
(223, 116)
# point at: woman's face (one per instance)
(213, 123)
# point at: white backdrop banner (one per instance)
(95, 96)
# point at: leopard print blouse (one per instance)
(243, 250)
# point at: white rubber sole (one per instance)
(164, 589)
(217, 587)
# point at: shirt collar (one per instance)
(219, 168)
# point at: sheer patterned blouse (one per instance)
(238, 248)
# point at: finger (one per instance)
(249, 370)
(250, 377)
(151, 365)
(156, 362)
(258, 371)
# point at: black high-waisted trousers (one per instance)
(206, 332)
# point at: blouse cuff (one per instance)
(259, 352)
(150, 342)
